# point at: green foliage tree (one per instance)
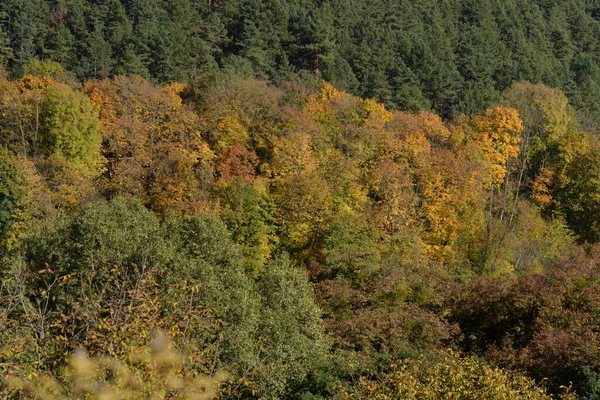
(576, 196)
(81, 282)
(548, 121)
(70, 128)
(248, 213)
(43, 69)
(11, 191)
(350, 246)
(6, 52)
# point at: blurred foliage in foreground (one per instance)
(156, 373)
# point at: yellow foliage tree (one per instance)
(452, 378)
(159, 373)
(498, 133)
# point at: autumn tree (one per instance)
(152, 143)
(45, 118)
(498, 133)
(550, 133)
(453, 377)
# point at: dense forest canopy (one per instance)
(299, 200)
(451, 56)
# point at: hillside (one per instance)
(299, 200)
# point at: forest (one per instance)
(300, 199)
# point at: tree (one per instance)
(153, 144)
(303, 208)
(295, 339)
(350, 247)
(100, 53)
(70, 128)
(454, 377)
(6, 52)
(248, 210)
(548, 121)
(11, 191)
(43, 69)
(498, 132)
(238, 162)
(577, 196)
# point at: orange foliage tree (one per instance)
(153, 143)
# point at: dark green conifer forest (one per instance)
(300, 199)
